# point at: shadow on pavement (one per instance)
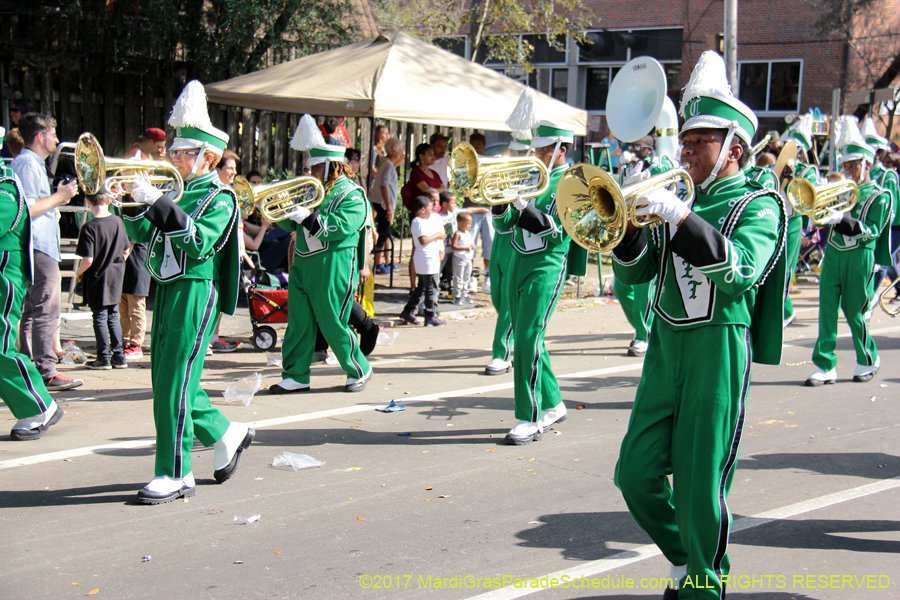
(98, 494)
(824, 534)
(875, 465)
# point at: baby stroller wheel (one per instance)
(264, 338)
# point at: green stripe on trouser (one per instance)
(501, 258)
(535, 282)
(184, 319)
(21, 387)
(792, 253)
(845, 283)
(320, 296)
(686, 421)
(636, 301)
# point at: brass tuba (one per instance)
(813, 200)
(115, 175)
(498, 180)
(595, 211)
(276, 200)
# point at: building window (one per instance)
(544, 53)
(597, 86)
(623, 45)
(771, 87)
(553, 82)
(455, 44)
(603, 48)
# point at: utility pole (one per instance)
(731, 20)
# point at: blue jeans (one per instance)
(483, 223)
(108, 331)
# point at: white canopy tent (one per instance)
(393, 77)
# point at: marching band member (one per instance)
(537, 273)
(21, 387)
(193, 256)
(720, 268)
(855, 245)
(501, 257)
(325, 272)
(886, 178)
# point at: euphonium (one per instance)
(813, 200)
(497, 180)
(115, 175)
(277, 199)
(595, 211)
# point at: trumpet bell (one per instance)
(90, 164)
(591, 207)
(497, 180)
(636, 98)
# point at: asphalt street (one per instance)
(449, 511)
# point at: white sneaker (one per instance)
(868, 316)
(864, 373)
(486, 286)
(523, 433)
(820, 377)
(358, 385)
(557, 414)
(638, 348)
(497, 366)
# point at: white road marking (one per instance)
(629, 557)
(323, 414)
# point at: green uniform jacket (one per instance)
(888, 179)
(537, 229)
(867, 226)
(333, 225)
(15, 220)
(194, 239)
(713, 269)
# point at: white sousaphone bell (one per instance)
(593, 208)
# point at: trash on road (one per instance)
(273, 359)
(296, 461)
(387, 339)
(392, 407)
(408, 433)
(245, 346)
(246, 521)
(244, 389)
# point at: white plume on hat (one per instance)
(190, 109)
(524, 115)
(307, 135)
(709, 78)
(521, 134)
(849, 133)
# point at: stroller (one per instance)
(267, 300)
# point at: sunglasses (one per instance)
(183, 153)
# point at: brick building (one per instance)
(786, 66)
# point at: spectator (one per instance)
(615, 151)
(483, 224)
(103, 248)
(441, 158)
(353, 161)
(381, 135)
(150, 146)
(40, 310)
(227, 167)
(478, 142)
(334, 128)
(765, 159)
(14, 142)
(17, 108)
(427, 236)
(383, 196)
(447, 212)
(133, 304)
(254, 177)
(421, 178)
(463, 246)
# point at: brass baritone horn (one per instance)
(595, 211)
(277, 199)
(813, 201)
(97, 173)
(498, 180)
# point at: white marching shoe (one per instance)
(497, 366)
(228, 449)
(820, 377)
(166, 489)
(864, 373)
(557, 414)
(32, 428)
(638, 348)
(523, 433)
(288, 386)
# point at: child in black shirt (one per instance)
(103, 246)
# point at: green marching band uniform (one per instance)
(537, 273)
(886, 178)
(637, 300)
(856, 243)
(501, 259)
(193, 256)
(720, 282)
(324, 273)
(21, 387)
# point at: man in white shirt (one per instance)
(438, 143)
(383, 196)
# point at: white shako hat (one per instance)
(870, 133)
(524, 118)
(851, 144)
(308, 138)
(521, 140)
(190, 118)
(801, 132)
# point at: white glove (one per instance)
(664, 204)
(142, 191)
(832, 218)
(635, 173)
(520, 203)
(299, 214)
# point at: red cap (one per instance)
(155, 134)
